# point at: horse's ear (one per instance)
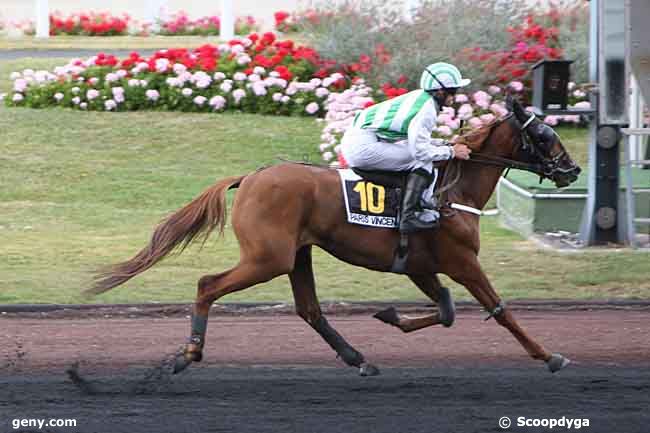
(510, 102)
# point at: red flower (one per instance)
(402, 79)
(368, 104)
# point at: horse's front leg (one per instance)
(433, 289)
(469, 273)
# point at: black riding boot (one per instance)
(411, 219)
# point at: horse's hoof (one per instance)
(557, 362)
(181, 362)
(389, 315)
(367, 369)
(446, 307)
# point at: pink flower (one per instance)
(277, 96)
(92, 94)
(187, 92)
(517, 86)
(312, 108)
(481, 96)
(217, 102)
(110, 105)
(465, 111)
(20, 85)
(58, 96)
(487, 118)
(200, 100)
(152, 95)
(461, 98)
(475, 123)
(552, 120)
(493, 90)
(321, 92)
(450, 111)
(498, 109)
(225, 87)
(238, 94)
(17, 97)
(259, 89)
(583, 104)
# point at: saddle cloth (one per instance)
(370, 204)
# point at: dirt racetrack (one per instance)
(274, 374)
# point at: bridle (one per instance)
(546, 168)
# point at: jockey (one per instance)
(395, 135)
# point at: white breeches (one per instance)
(362, 148)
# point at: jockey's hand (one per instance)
(461, 151)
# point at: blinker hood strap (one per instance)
(436, 78)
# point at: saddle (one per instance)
(391, 179)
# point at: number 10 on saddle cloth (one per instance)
(369, 204)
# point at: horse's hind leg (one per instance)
(212, 287)
(307, 307)
(435, 291)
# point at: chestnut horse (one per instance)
(281, 211)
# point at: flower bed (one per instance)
(105, 24)
(89, 24)
(180, 24)
(256, 74)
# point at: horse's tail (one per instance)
(200, 217)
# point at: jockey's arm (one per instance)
(422, 146)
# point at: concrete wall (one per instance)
(18, 10)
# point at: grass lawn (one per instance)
(81, 190)
(104, 43)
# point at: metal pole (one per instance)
(227, 20)
(42, 19)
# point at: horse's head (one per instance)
(540, 146)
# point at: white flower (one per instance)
(162, 65)
(218, 76)
(17, 97)
(117, 90)
(179, 68)
(315, 82)
(122, 73)
(173, 82)
(579, 93)
(111, 77)
(225, 87)
(76, 100)
(237, 49)
(292, 89)
(83, 105)
(321, 92)
(259, 70)
(92, 94)
(58, 96)
(187, 92)
(328, 156)
(238, 94)
(247, 42)
(14, 76)
(133, 82)
(200, 100)
(152, 95)
(254, 77)
(144, 83)
(239, 76)
(243, 60)
(312, 108)
(28, 72)
(277, 96)
(224, 48)
(110, 105)
(259, 89)
(571, 85)
(93, 81)
(285, 99)
(217, 102)
(20, 85)
(2, 96)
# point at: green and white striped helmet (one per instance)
(446, 73)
